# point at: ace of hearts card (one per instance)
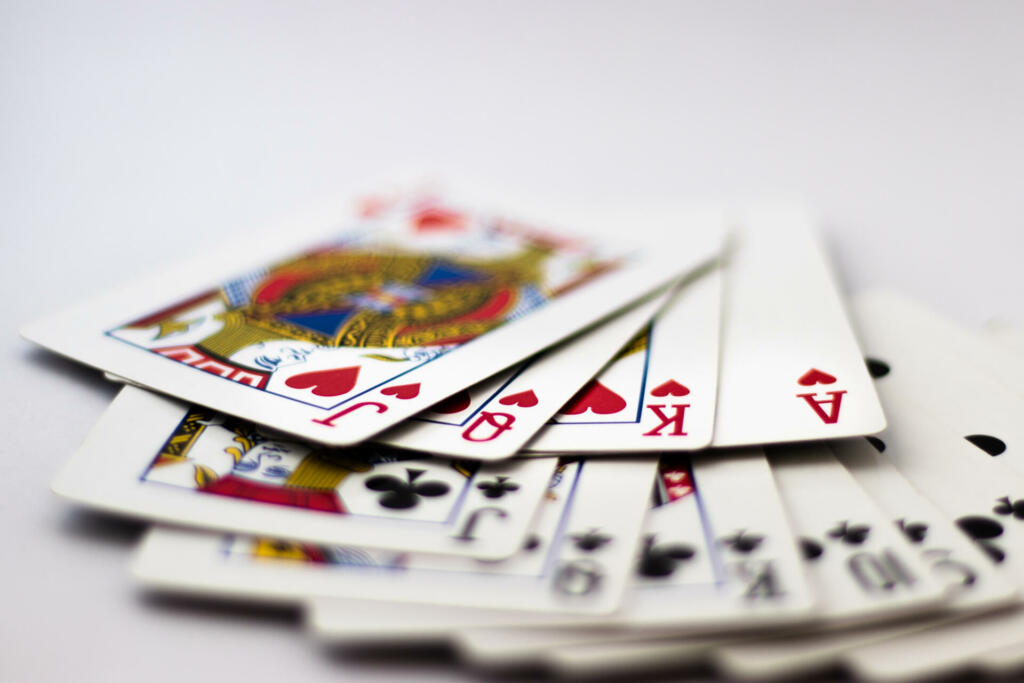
(350, 319)
(789, 367)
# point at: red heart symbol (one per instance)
(455, 403)
(326, 382)
(403, 391)
(596, 397)
(670, 388)
(524, 399)
(815, 376)
(436, 218)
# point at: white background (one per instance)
(133, 132)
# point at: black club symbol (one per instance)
(591, 541)
(497, 488)
(743, 542)
(661, 560)
(915, 531)
(982, 530)
(852, 534)
(811, 549)
(877, 368)
(1005, 506)
(401, 495)
(990, 444)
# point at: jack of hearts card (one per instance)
(341, 323)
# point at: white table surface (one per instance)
(132, 132)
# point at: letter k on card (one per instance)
(658, 392)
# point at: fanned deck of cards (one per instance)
(439, 416)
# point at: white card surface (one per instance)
(355, 316)
(972, 582)
(1006, 335)
(944, 650)
(626, 658)
(718, 554)
(577, 559)
(790, 366)
(862, 568)
(155, 458)
(975, 482)
(494, 421)
(980, 390)
(708, 561)
(658, 393)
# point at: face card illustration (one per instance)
(158, 459)
(576, 559)
(494, 421)
(790, 365)
(343, 323)
(658, 392)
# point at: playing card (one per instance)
(494, 420)
(703, 564)
(596, 659)
(1005, 334)
(1001, 661)
(790, 365)
(575, 560)
(346, 321)
(972, 582)
(862, 567)
(981, 388)
(717, 554)
(658, 393)
(156, 458)
(942, 650)
(958, 431)
(942, 441)
(718, 551)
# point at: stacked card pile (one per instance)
(426, 417)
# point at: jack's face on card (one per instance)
(212, 454)
(409, 282)
(341, 324)
(156, 458)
